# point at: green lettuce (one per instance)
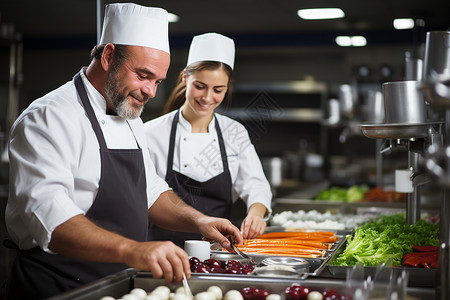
(389, 237)
(352, 194)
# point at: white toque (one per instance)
(136, 25)
(212, 47)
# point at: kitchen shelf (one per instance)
(292, 204)
(295, 86)
(285, 115)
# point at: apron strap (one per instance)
(173, 130)
(223, 151)
(89, 110)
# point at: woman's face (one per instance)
(205, 90)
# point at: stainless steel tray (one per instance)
(417, 277)
(396, 130)
(316, 265)
(123, 282)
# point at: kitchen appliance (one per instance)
(436, 86)
(403, 102)
(436, 72)
(424, 139)
(406, 125)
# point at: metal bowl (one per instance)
(271, 271)
(299, 265)
(229, 256)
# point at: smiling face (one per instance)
(134, 80)
(205, 90)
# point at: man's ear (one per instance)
(107, 56)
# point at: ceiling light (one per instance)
(403, 23)
(320, 13)
(359, 41)
(347, 41)
(344, 41)
(173, 18)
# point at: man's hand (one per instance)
(161, 258)
(219, 229)
(79, 238)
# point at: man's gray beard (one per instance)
(126, 111)
(118, 102)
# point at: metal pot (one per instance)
(404, 102)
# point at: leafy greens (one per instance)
(388, 237)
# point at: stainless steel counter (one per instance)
(121, 283)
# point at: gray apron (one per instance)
(212, 197)
(120, 206)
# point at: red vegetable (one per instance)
(422, 257)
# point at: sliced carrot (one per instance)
(303, 253)
(296, 234)
(322, 236)
(297, 244)
(281, 243)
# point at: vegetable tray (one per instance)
(316, 265)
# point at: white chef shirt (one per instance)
(197, 155)
(55, 162)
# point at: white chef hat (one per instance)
(136, 25)
(212, 47)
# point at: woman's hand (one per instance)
(254, 224)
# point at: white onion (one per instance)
(314, 295)
(205, 296)
(273, 297)
(129, 297)
(233, 295)
(217, 291)
(139, 293)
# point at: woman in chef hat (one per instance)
(208, 159)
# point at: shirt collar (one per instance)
(187, 126)
(98, 102)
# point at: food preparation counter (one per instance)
(123, 282)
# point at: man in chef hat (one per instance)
(82, 185)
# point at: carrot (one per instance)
(297, 244)
(297, 253)
(281, 243)
(313, 234)
(323, 236)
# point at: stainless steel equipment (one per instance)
(436, 84)
(436, 72)
(403, 102)
(406, 125)
(121, 283)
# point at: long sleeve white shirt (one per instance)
(55, 162)
(197, 155)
